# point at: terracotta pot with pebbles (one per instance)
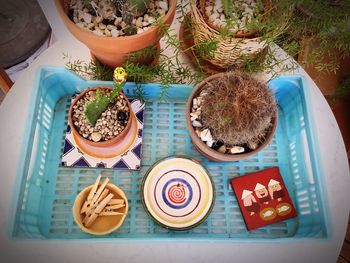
(111, 127)
(100, 116)
(114, 29)
(231, 116)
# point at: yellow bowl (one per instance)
(103, 224)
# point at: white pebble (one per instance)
(196, 124)
(96, 136)
(87, 18)
(145, 23)
(236, 149)
(210, 143)
(195, 114)
(111, 27)
(139, 22)
(209, 8)
(161, 12)
(107, 32)
(163, 5)
(206, 135)
(139, 31)
(151, 19)
(115, 33)
(214, 16)
(102, 26)
(98, 32)
(81, 25)
(80, 14)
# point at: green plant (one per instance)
(171, 69)
(237, 108)
(325, 23)
(96, 107)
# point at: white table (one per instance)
(12, 118)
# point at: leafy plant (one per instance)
(170, 68)
(325, 23)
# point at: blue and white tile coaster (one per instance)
(130, 160)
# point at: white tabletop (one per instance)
(333, 157)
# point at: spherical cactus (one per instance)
(237, 108)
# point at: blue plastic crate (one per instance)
(47, 190)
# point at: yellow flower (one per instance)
(120, 75)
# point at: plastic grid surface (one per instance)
(48, 191)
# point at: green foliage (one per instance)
(326, 23)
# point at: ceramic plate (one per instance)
(178, 193)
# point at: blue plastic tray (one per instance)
(47, 190)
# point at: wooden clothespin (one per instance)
(89, 219)
(94, 205)
(91, 195)
(97, 195)
(116, 202)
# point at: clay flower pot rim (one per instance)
(172, 6)
(112, 141)
(114, 189)
(208, 151)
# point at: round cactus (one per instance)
(237, 108)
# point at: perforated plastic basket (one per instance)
(47, 190)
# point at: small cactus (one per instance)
(95, 108)
(237, 108)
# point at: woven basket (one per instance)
(230, 51)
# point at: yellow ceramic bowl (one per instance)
(103, 224)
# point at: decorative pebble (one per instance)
(163, 5)
(87, 18)
(243, 12)
(236, 149)
(96, 136)
(206, 135)
(196, 124)
(114, 33)
(210, 143)
(121, 115)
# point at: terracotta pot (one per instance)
(252, 34)
(204, 149)
(113, 51)
(105, 224)
(108, 143)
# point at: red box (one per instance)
(263, 198)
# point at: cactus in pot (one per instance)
(96, 107)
